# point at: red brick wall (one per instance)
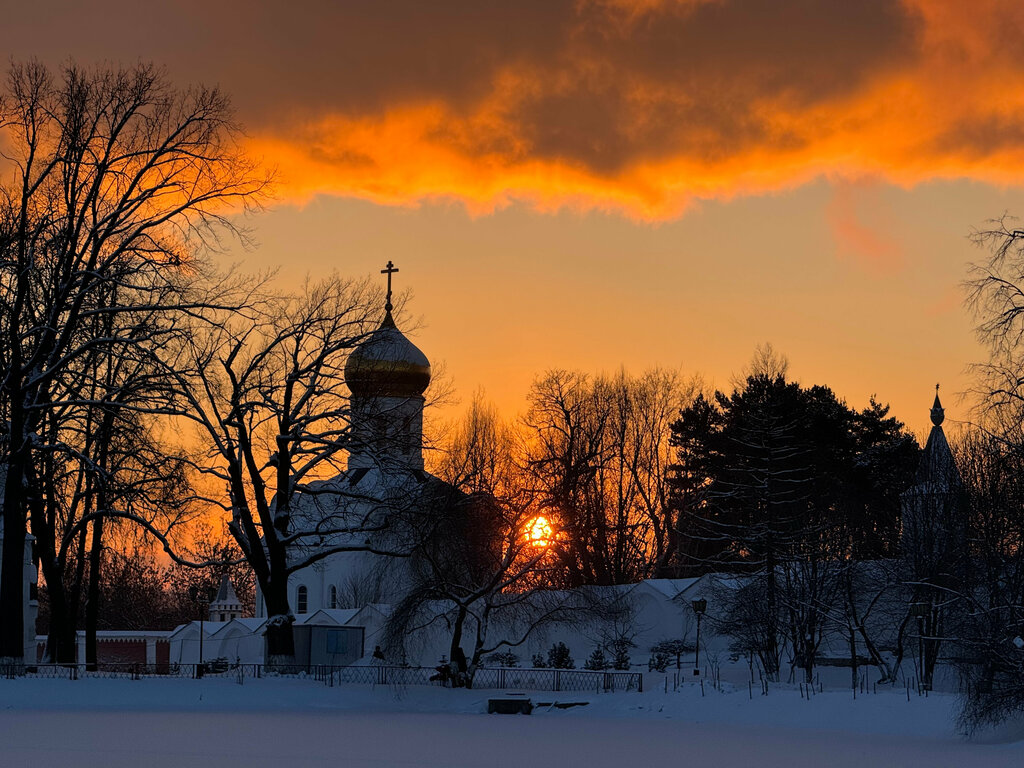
(120, 651)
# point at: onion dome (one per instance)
(387, 364)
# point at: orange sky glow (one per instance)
(596, 183)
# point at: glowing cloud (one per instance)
(639, 106)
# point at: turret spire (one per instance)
(938, 412)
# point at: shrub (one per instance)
(503, 659)
(597, 661)
(559, 658)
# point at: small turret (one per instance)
(226, 606)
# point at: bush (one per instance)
(559, 658)
(659, 661)
(670, 650)
(620, 648)
(503, 659)
(597, 662)
(538, 661)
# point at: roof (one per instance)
(329, 616)
(209, 628)
(225, 594)
(668, 587)
(249, 625)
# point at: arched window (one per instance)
(334, 596)
(302, 600)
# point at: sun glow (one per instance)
(539, 531)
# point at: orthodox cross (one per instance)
(390, 270)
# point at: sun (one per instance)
(539, 531)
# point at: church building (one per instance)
(384, 485)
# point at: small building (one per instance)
(116, 647)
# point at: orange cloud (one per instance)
(646, 106)
(640, 106)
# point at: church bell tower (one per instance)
(387, 376)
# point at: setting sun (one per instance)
(539, 531)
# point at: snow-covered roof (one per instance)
(668, 587)
(329, 616)
(249, 625)
(209, 628)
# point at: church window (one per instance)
(302, 600)
(334, 596)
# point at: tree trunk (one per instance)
(12, 598)
(853, 659)
(92, 601)
(280, 637)
(60, 644)
(12, 607)
(455, 652)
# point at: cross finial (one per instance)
(389, 270)
(936, 389)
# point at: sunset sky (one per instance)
(596, 183)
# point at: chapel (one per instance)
(383, 496)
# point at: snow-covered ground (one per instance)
(285, 723)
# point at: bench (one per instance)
(513, 704)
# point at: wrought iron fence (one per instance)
(559, 680)
(501, 678)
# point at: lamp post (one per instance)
(919, 611)
(700, 606)
(197, 597)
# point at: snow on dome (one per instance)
(387, 364)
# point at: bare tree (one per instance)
(109, 177)
(483, 567)
(266, 389)
(598, 451)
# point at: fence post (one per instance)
(558, 680)
(501, 678)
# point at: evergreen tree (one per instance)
(559, 658)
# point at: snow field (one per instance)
(123, 723)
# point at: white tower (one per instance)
(387, 376)
(226, 606)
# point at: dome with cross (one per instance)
(387, 364)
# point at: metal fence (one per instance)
(558, 680)
(571, 680)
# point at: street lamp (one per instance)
(699, 607)
(919, 611)
(196, 597)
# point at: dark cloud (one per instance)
(477, 98)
